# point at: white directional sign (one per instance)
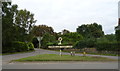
(60, 46)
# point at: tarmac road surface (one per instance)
(63, 65)
(55, 65)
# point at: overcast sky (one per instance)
(69, 14)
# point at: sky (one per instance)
(69, 14)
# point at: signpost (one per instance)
(60, 39)
(60, 47)
(39, 39)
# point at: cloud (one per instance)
(69, 14)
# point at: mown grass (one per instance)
(55, 57)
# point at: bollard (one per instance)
(60, 52)
(71, 53)
(84, 53)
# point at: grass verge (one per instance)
(55, 57)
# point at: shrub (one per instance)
(48, 39)
(108, 46)
(71, 38)
(30, 46)
(8, 49)
(86, 43)
(51, 44)
(20, 46)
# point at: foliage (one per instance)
(110, 37)
(90, 30)
(30, 46)
(8, 29)
(41, 30)
(86, 43)
(117, 35)
(48, 39)
(71, 38)
(107, 43)
(20, 46)
(56, 44)
(9, 49)
(108, 46)
(17, 25)
(25, 19)
(51, 44)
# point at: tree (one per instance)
(41, 30)
(8, 12)
(25, 19)
(110, 37)
(48, 38)
(71, 38)
(12, 25)
(86, 43)
(90, 30)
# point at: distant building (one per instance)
(65, 31)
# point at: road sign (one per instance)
(60, 46)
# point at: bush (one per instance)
(20, 46)
(51, 44)
(30, 46)
(48, 39)
(86, 43)
(108, 46)
(8, 49)
(56, 44)
(71, 38)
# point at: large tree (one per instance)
(8, 29)
(15, 24)
(71, 38)
(40, 30)
(91, 30)
(24, 21)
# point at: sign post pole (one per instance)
(39, 39)
(60, 39)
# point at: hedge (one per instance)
(20, 46)
(89, 43)
(100, 46)
(108, 46)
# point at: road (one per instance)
(63, 65)
(55, 65)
